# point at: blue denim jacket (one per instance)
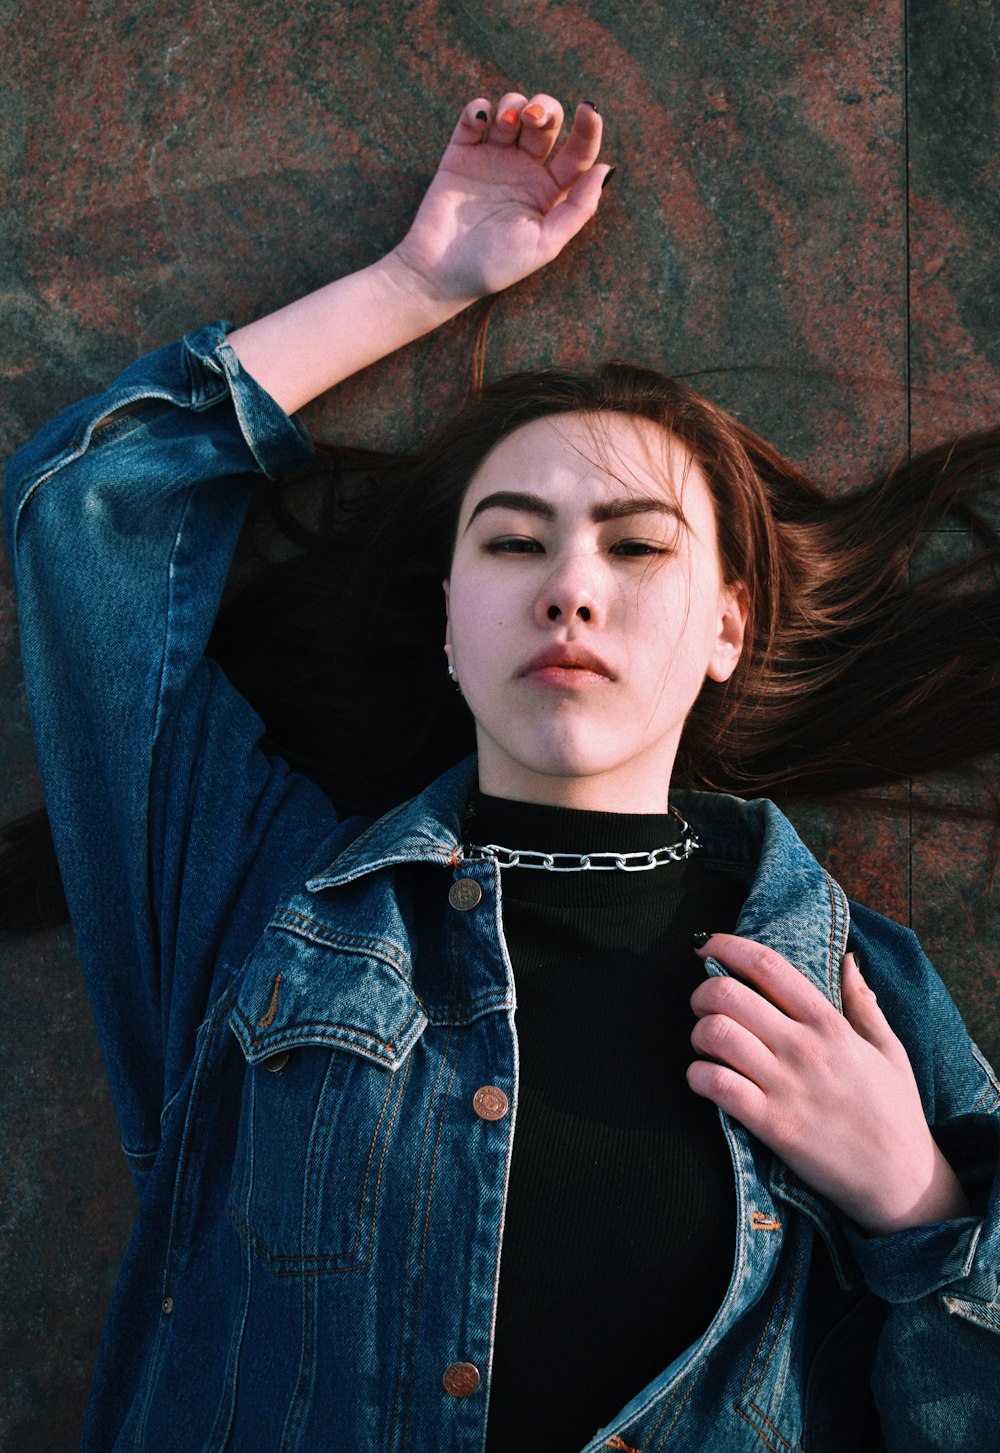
(296, 1015)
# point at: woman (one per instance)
(309, 1023)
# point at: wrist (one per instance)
(941, 1198)
(427, 300)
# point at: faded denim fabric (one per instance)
(295, 1020)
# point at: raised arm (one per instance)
(503, 202)
(173, 830)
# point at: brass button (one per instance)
(490, 1102)
(276, 1062)
(464, 894)
(460, 1379)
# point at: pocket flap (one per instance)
(348, 995)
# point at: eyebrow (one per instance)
(613, 509)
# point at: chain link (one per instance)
(581, 862)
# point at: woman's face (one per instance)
(586, 606)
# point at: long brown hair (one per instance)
(867, 659)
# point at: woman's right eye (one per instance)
(514, 545)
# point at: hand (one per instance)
(833, 1095)
(502, 203)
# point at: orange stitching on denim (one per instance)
(767, 1362)
(760, 1222)
(621, 1445)
(763, 1334)
(456, 856)
(348, 1038)
(760, 1432)
(408, 1300)
(831, 977)
(268, 1018)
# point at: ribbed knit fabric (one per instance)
(620, 1229)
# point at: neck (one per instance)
(599, 792)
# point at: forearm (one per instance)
(502, 204)
(306, 348)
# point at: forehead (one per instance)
(587, 456)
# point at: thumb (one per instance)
(566, 218)
(861, 1009)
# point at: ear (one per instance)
(729, 635)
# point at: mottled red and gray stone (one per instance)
(803, 219)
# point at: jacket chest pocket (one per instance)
(327, 1045)
(315, 1133)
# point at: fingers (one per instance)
(506, 126)
(773, 976)
(541, 123)
(534, 126)
(731, 1092)
(862, 1012)
(728, 1042)
(727, 999)
(566, 218)
(771, 1021)
(473, 123)
(581, 149)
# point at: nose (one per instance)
(569, 594)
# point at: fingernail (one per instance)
(701, 939)
(536, 113)
(592, 106)
(510, 117)
(482, 116)
(603, 185)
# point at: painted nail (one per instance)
(482, 116)
(603, 185)
(592, 106)
(510, 117)
(701, 939)
(536, 113)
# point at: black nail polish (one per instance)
(482, 116)
(592, 106)
(608, 177)
(701, 939)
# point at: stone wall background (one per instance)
(804, 219)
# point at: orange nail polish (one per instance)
(510, 117)
(535, 112)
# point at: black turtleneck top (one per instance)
(620, 1228)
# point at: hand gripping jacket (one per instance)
(296, 1018)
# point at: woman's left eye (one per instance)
(638, 547)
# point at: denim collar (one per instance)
(792, 904)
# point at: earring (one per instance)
(456, 684)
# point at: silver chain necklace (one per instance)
(584, 862)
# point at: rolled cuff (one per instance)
(959, 1258)
(279, 442)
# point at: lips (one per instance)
(570, 658)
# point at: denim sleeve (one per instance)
(170, 826)
(937, 1376)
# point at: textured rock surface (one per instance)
(803, 218)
